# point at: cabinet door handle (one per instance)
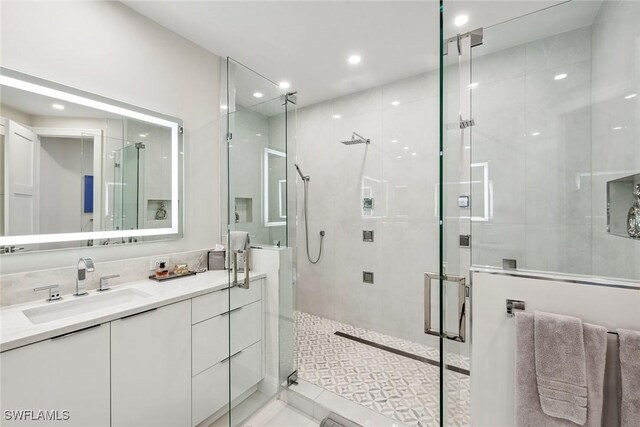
(68, 334)
(231, 311)
(138, 314)
(226, 359)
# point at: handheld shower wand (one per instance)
(305, 180)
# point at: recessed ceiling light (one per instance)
(258, 134)
(336, 116)
(398, 157)
(473, 85)
(354, 59)
(406, 148)
(395, 103)
(560, 76)
(58, 106)
(414, 154)
(632, 95)
(257, 94)
(617, 128)
(224, 107)
(535, 133)
(393, 141)
(460, 20)
(284, 85)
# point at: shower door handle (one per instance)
(462, 291)
(234, 261)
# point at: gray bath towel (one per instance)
(560, 366)
(238, 241)
(629, 377)
(528, 407)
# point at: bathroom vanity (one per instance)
(161, 358)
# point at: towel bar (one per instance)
(514, 304)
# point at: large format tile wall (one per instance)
(533, 131)
(403, 219)
(615, 127)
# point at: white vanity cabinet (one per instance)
(214, 355)
(151, 368)
(165, 366)
(67, 373)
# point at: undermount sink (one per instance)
(61, 310)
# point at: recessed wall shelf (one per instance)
(243, 209)
(623, 207)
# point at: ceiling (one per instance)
(307, 43)
(33, 104)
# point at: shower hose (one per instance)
(306, 225)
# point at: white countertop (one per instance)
(17, 330)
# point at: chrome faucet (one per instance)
(85, 265)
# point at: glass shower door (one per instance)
(450, 286)
(260, 203)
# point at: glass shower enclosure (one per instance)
(258, 119)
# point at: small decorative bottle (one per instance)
(633, 218)
(162, 270)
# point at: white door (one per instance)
(22, 165)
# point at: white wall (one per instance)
(493, 381)
(105, 48)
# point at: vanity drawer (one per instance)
(210, 389)
(209, 343)
(217, 302)
(210, 338)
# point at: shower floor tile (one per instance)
(396, 386)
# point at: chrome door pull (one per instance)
(226, 359)
(462, 291)
(245, 264)
(226, 313)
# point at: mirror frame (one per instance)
(18, 80)
(265, 208)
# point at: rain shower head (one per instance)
(356, 139)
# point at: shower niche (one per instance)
(623, 207)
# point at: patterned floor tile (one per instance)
(404, 389)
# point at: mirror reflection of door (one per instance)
(66, 166)
(21, 187)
